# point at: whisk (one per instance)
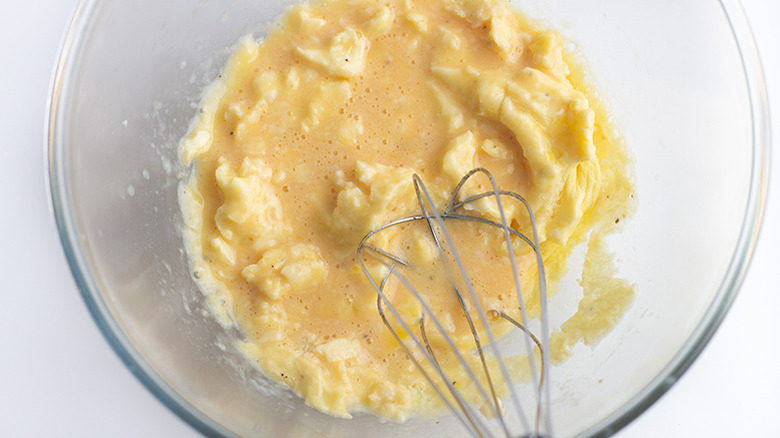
(513, 422)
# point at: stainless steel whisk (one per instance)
(419, 348)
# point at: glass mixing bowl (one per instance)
(683, 83)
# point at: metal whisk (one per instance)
(513, 422)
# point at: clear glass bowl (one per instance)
(684, 85)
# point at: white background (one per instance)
(58, 376)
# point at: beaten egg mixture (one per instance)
(309, 140)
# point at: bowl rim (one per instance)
(59, 197)
(751, 227)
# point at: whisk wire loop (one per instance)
(420, 188)
(435, 222)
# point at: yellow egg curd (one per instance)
(309, 140)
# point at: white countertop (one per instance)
(59, 377)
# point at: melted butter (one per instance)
(310, 139)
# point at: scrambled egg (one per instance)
(309, 140)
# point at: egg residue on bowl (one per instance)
(309, 140)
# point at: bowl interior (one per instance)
(129, 81)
